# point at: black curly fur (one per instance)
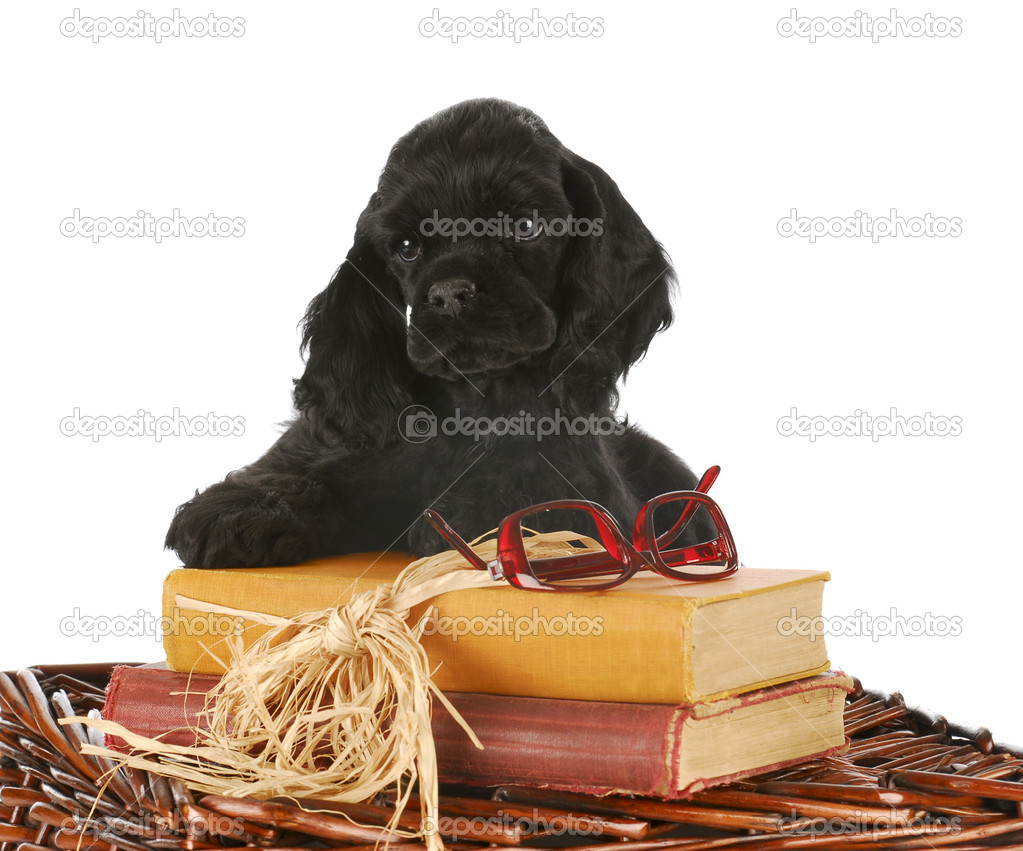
(553, 325)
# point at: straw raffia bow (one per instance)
(333, 705)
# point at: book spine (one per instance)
(596, 747)
(615, 647)
(158, 704)
(624, 648)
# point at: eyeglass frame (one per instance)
(513, 564)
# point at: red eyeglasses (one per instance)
(659, 524)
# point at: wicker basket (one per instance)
(909, 780)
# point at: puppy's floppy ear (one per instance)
(615, 288)
(357, 375)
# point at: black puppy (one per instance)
(498, 282)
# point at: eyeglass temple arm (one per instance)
(702, 486)
(453, 538)
(560, 568)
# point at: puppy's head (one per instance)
(488, 246)
(460, 220)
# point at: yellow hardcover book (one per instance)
(650, 640)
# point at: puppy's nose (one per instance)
(451, 296)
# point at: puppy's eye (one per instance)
(528, 227)
(409, 249)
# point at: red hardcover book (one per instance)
(585, 746)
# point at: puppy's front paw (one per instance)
(230, 525)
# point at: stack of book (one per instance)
(656, 687)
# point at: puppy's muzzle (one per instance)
(452, 296)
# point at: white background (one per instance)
(714, 127)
